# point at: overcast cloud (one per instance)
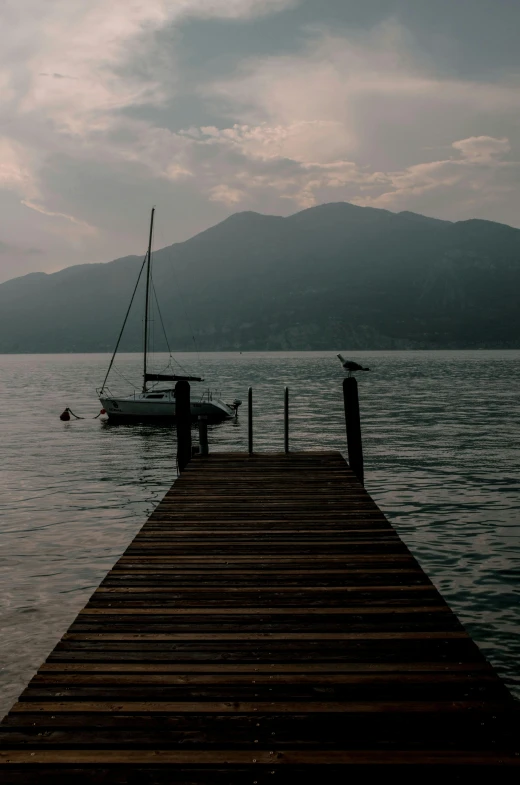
(206, 107)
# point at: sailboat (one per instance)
(151, 403)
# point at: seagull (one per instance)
(350, 365)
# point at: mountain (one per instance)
(335, 276)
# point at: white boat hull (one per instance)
(160, 404)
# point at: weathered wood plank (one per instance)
(297, 611)
(400, 678)
(273, 667)
(251, 707)
(272, 757)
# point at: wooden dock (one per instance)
(266, 625)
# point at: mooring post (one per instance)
(203, 435)
(353, 425)
(183, 419)
(286, 420)
(250, 419)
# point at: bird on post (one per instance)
(350, 366)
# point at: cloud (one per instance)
(17, 174)
(298, 141)
(59, 76)
(482, 148)
(7, 248)
(342, 96)
(69, 68)
(334, 120)
(226, 195)
(101, 115)
(254, 160)
(98, 44)
(82, 226)
(232, 9)
(15, 168)
(478, 177)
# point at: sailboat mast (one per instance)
(147, 299)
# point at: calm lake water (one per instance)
(441, 437)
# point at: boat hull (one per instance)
(137, 408)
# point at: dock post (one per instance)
(286, 420)
(250, 420)
(203, 435)
(183, 418)
(353, 425)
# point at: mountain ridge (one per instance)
(335, 275)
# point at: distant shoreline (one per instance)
(333, 350)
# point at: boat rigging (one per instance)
(153, 403)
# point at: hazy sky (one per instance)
(207, 107)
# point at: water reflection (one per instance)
(442, 449)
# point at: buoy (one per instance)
(65, 416)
